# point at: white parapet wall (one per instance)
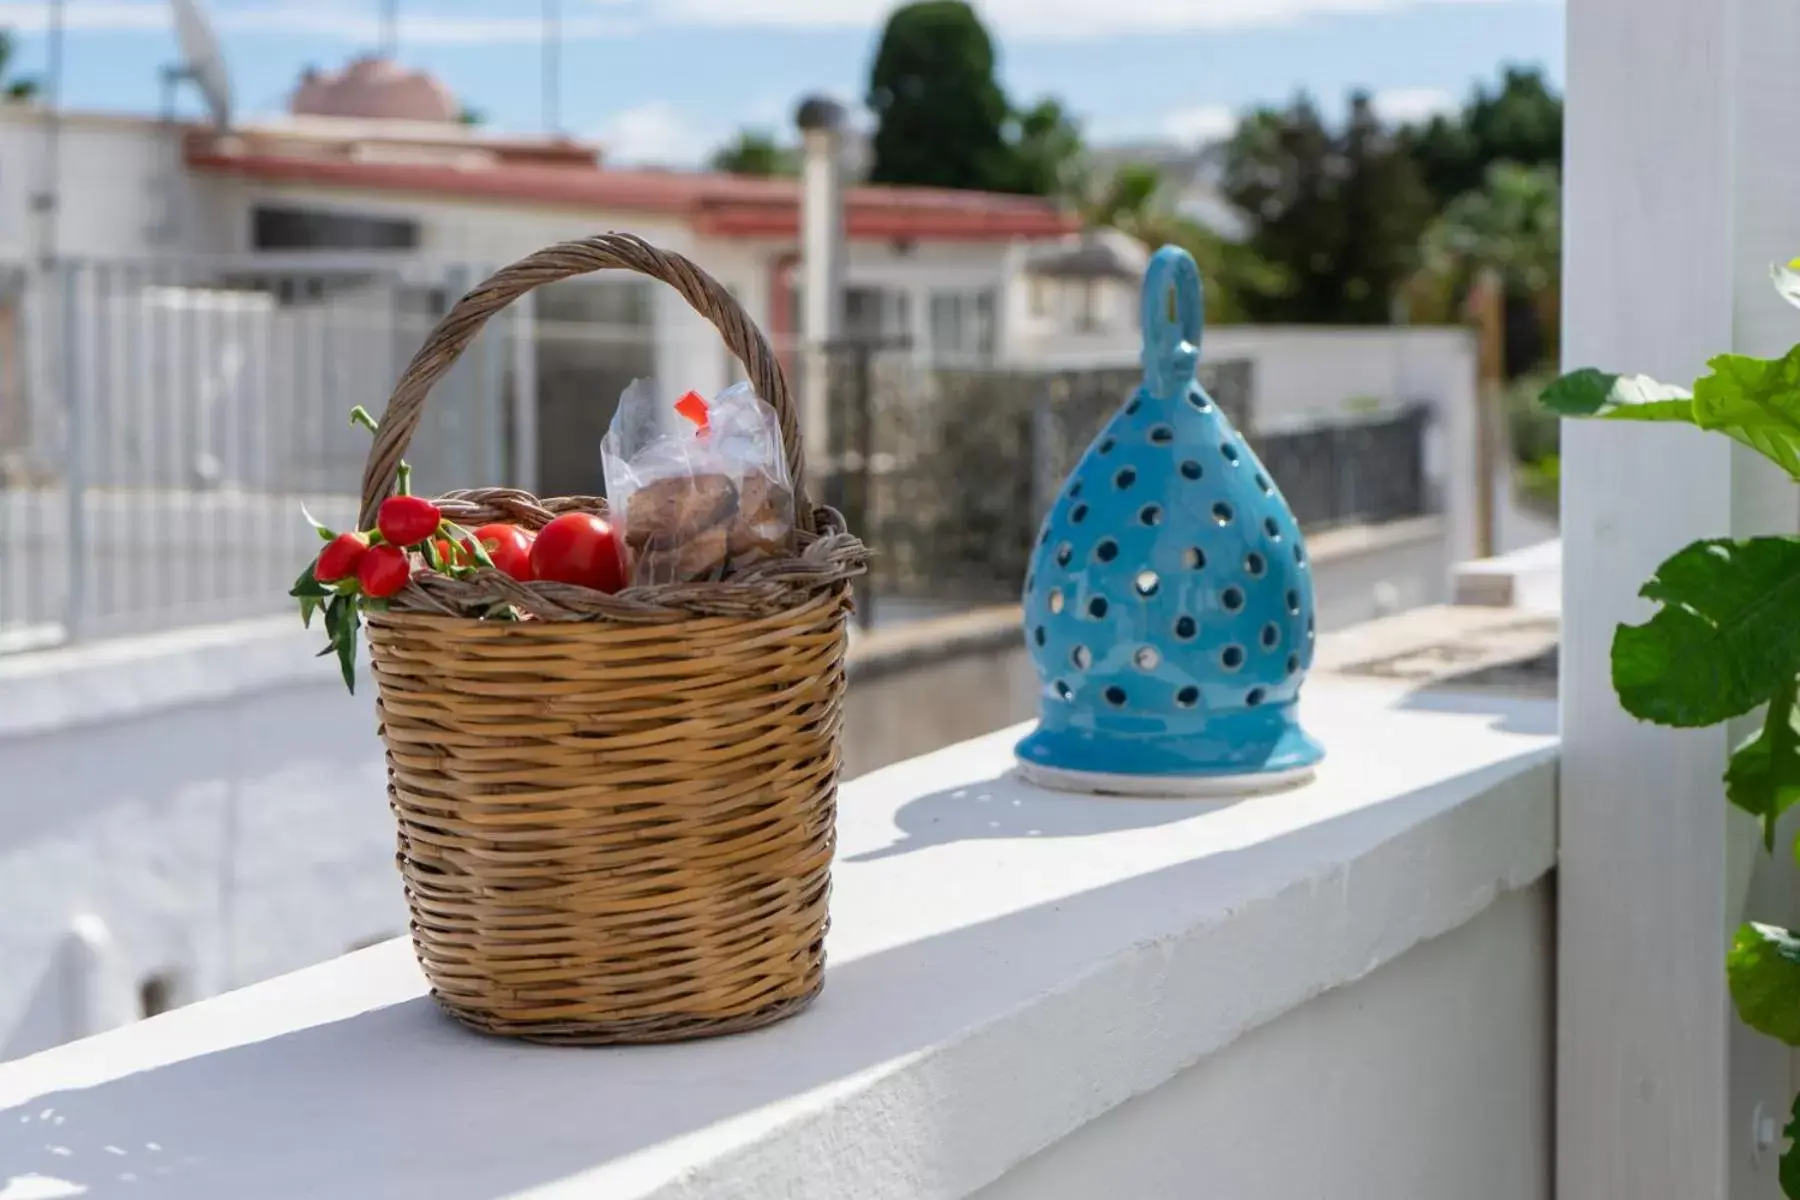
(209, 806)
(1338, 991)
(190, 812)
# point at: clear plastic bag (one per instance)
(700, 487)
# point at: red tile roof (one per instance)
(714, 204)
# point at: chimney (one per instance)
(821, 122)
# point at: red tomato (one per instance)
(509, 547)
(408, 520)
(339, 559)
(579, 548)
(383, 571)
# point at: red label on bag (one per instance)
(693, 407)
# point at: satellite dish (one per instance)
(204, 63)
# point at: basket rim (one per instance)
(827, 600)
(827, 562)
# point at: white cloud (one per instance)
(418, 25)
(1199, 126)
(1406, 105)
(414, 29)
(1050, 19)
(458, 20)
(657, 134)
(455, 21)
(24, 16)
(654, 134)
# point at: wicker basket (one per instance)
(616, 819)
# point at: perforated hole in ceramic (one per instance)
(1173, 629)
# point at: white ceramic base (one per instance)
(1165, 787)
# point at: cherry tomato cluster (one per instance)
(364, 569)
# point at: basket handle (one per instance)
(622, 251)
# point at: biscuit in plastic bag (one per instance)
(701, 488)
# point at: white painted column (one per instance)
(1672, 215)
(821, 124)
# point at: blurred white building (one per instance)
(374, 161)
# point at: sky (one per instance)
(666, 81)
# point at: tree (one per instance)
(1385, 208)
(1131, 202)
(1337, 213)
(1512, 225)
(1128, 200)
(941, 116)
(1521, 121)
(1045, 149)
(470, 116)
(15, 89)
(755, 152)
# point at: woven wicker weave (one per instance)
(616, 819)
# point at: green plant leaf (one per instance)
(1592, 393)
(1763, 777)
(1755, 401)
(310, 592)
(1763, 969)
(1789, 1174)
(308, 584)
(341, 624)
(325, 534)
(1724, 640)
(346, 648)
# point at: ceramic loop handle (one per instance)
(1174, 319)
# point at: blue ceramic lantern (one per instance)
(1169, 609)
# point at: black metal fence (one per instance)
(1364, 471)
(947, 473)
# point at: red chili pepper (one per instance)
(384, 571)
(339, 559)
(452, 556)
(408, 520)
(693, 407)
